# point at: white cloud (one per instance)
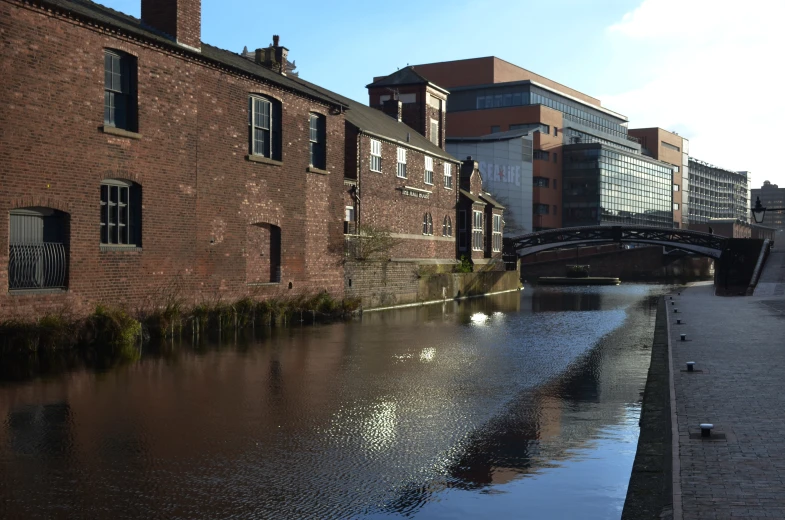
(716, 75)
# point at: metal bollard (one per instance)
(683, 337)
(690, 366)
(706, 429)
(678, 322)
(675, 310)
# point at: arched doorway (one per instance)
(38, 256)
(263, 253)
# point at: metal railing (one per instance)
(37, 266)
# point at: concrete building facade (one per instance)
(717, 193)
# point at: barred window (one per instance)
(448, 175)
(428, 170)
(264, 121)
(477, 231)
(376, 156)
(317, 137)
(401, 172)
(120, 90)
(497, 233)
(121, 212)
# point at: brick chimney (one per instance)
(393, 108)
(468, 167)
(180, 19)
(274, 57)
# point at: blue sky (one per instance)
(668, 63)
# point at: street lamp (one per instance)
(760, 211)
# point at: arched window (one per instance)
(264, 122)
(427, 224)
(121, 213)
(38, 249)
(447, 227)
(263, 261)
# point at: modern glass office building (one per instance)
(603, 185)
(717, 193)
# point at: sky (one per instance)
(706, 69)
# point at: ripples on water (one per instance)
(514, 405)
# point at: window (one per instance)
(497, 233)
(376, 156)
(555, 209)
(435, 131)
(121, 212)
(448, 175)
(556, 131)
(676, 169)
(541, 209)
(675, 206)
(428, 170)
(555, 182)
(264, 121)
(477, 231)
(545, 129)
(541, 182)
(427, 224)
(401, 172)
(495, 129)
(541, 155)
(462, 230)
(317, 137)
(555, 157)
(447, 227)
(675, 187)
(120, 90)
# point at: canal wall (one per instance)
(641, 263)
(390, 284)
(649, 494)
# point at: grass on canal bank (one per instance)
(114, 329)
(650, 493)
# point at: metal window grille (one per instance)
(447, 175)
(376, 155)
(477, 231)
(37, 266)
(428, 170)
(261, 125)
(317, 141)
(401, 171)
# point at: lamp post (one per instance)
(760, 211)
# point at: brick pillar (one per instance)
(180, 19)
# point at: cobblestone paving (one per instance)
(739, 344)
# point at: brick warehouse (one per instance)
(163, 189)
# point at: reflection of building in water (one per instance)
(544, 300)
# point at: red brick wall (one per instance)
(383, 205)
(200, 193)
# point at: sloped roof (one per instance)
(405, 76)
(375, 122)
(493, 202)
(473, 198)
(91, 11)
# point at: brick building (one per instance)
(202, 173)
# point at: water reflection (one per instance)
(427, 411)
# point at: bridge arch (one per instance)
(696, 242)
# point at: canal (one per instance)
(517, 405)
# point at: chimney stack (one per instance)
(393, 108)
(274, 57)
(180, 19)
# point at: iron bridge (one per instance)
(693, 241)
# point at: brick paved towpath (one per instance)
(738, 344)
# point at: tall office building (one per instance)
(673, 149)
(771, 196)
(489, 95)
(717, 193)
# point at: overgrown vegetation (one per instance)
(465, 265)
(121, 331)
(371, 243)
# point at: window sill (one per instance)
(120, 132)
(428, 183)
(447, 188)
(26, 292)
(262, 284)
(119, 248)
(314, 169)
(263, 160)
(375, 171)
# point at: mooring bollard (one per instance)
(706, 429)
(690, 366)
(678, 322)
(673, 303)
(683, 337)
(675, 310)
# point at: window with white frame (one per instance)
(428, 170)
(448, 175)
(447, 227)
(264, 121)
(435, 131)
(497, 233)
(477, 231)
(401, 171)
(376, 156)
(427, 224)
(317, 137)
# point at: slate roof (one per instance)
(404, 76)
(93, 12)
(473, 198)
(367, 119)
(490, 200)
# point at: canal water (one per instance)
(520, 405)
